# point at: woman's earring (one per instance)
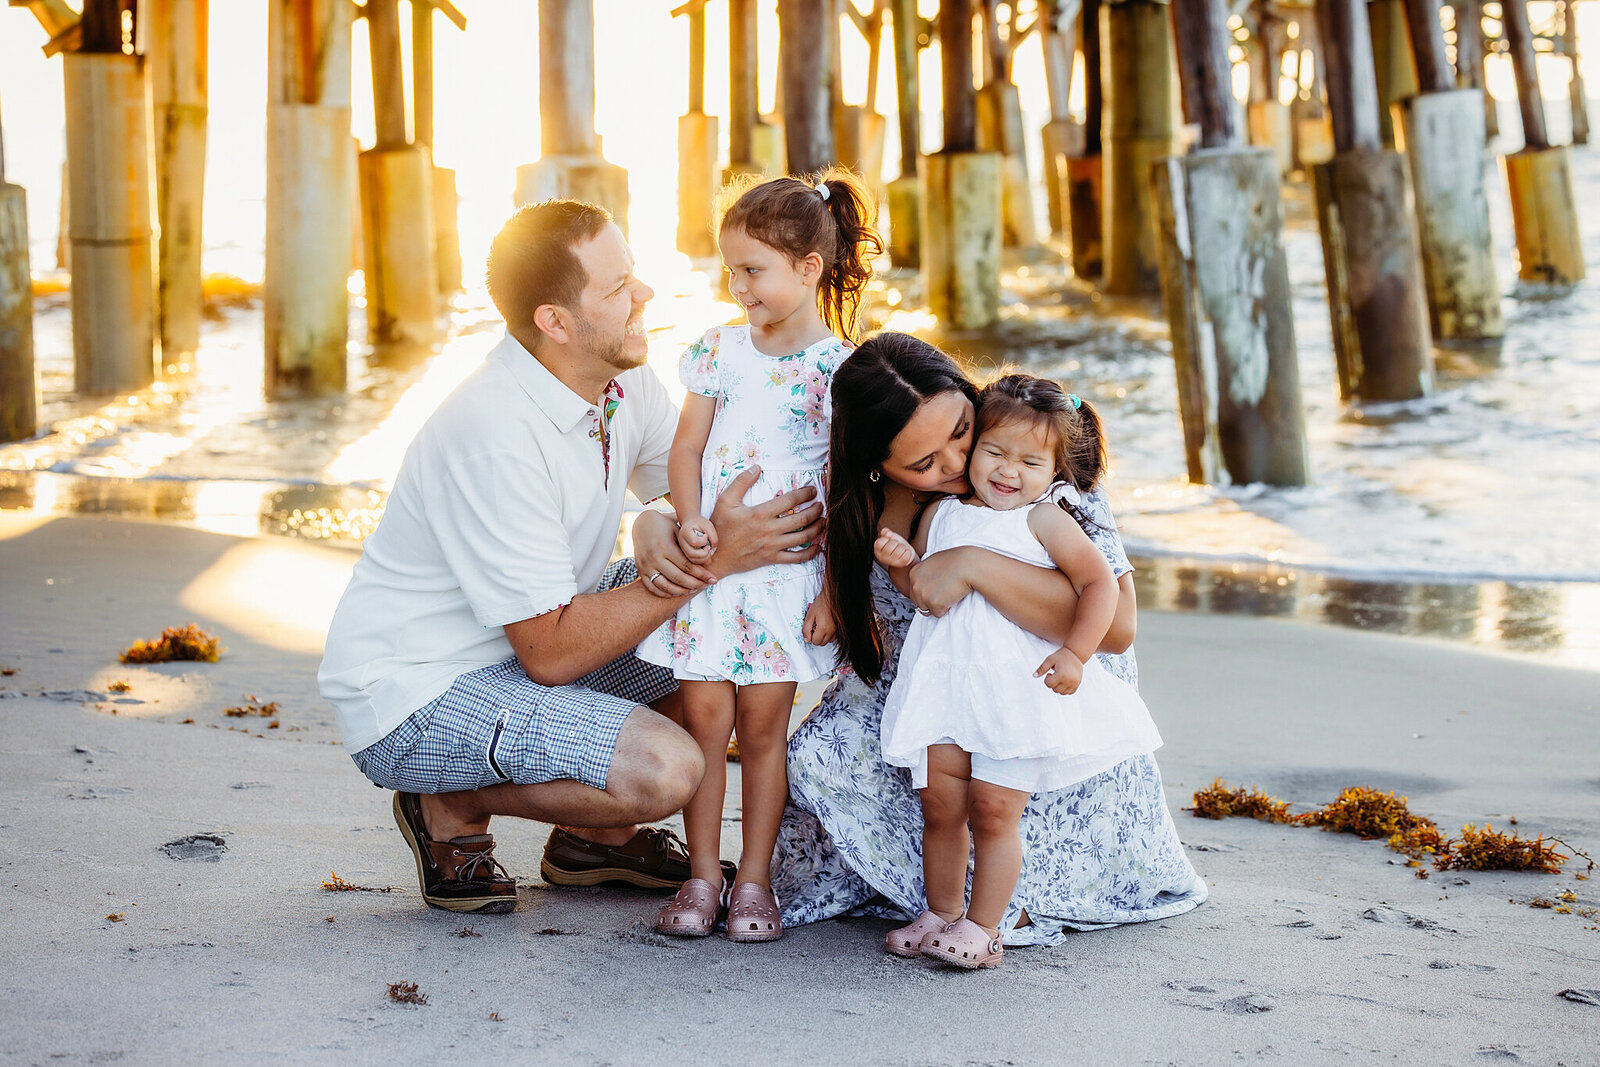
(874, 476)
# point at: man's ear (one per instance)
(552, 321)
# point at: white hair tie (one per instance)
(822, 190)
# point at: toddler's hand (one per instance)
(892, 550)
(819, 626)
(1062, 671)
(698, 538)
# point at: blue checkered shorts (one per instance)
(496, 724)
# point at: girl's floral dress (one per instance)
(774, 412)
(1099, 853)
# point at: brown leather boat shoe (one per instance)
(460, 874)
(653, 859)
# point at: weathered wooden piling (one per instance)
(905, 192)
(697, 147)
(1061, 137)
(1000, 127)
(396, 206)
(1086, 168)
(310, 196)
(859, 131)
(1469, 60)
(1225, 279)
(961, 193)
(570, 163)
(108, 171)
(1544, 213)
(1268, 117)
(1136, 46)
(754, 146)
(1369, 245)
(1391, 53)
(806, 30)
(1313, 130)
(177, 53)
(446, 229)
(1576, 92)
(19, 380)
(1441, 132)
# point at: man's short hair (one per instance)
(532, 261)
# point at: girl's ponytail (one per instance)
(1086, 448)
(845, 279)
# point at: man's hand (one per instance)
(1062, 671)
(938, 583)
(760, 534)
(892, 550)
(698, 538)
(656, 551)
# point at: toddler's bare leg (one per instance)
(995, 813)
(945, 841)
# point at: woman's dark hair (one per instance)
(1080, 437)
(791, 215)
(532, 261)
(875, 393)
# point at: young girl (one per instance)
(797, 256)
(983, 712)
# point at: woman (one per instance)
(1100, 853)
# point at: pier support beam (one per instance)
(807, 29)
(1313, 130)
(1268, 117)
(1469, 60)
(1061, 137)
(179, 84)
(570, 164)
(1085, 169)
(1136, 46)
(1576, 93)
(1000, 129)
(905, 192)
(1369, 246)
(1544, 212)
(310, 196)
(112, 245)
(697, 148)
(1391, 52)
(1225, 279)
(754, 147)
(19, 380)
(1441, 132)
(446, 229)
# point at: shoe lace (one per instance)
(479, 864)
(665, 841)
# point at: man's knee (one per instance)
(656, 767)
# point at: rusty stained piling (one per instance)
(446, 230)
(1000, 126)
(1136, 46)
(396, 207)
(905, 192)
(179, 83)
(19, 378)
(1441, 132)
(1061, 137)
(570, 163)
(1544, 213)
(1369, 246)
(1225, 278)
(806, 30)
(114, 331)
(697, 147)
(310, 196)
(1085, 170)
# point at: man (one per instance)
(480, 660)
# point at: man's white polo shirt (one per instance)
(501, 512)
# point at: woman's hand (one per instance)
(939, 582)
(698, 538)
(1062, 671)
(666, 571)
(760, 534)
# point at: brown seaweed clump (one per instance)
(175, 643)
(1217, 801)
(406, 993)
(1367, 813)
(1419, 841)
(1491, 850)
(252, 706)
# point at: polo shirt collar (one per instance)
(564, 408)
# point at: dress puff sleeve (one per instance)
(697, 369)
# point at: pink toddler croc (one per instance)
(693, 912)
(753, 914)
(906, 942)
(964, 944)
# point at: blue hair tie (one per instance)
(1076, 401)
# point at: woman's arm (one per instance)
(1087, 569)
(1125, 626)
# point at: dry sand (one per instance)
(1313, 948)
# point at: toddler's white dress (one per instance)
(967, 678)
(775, 412)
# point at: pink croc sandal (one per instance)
(693, 912)
(753, 914)
(964, 944)
(906, 942)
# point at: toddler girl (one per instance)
(983, 712)
(797, 257)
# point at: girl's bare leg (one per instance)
(995, 813)
(763, 727)
(945, 841)
(708, 716)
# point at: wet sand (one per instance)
(1313, 947)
